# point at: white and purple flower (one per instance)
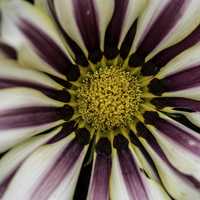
(100, 99)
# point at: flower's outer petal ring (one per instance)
(12, 160)
(129, 182)
(52, 177)
(163, 24)
(21, 29)
(179, 185)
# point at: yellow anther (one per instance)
(109, 98)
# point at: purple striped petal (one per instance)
(177, 103)
(87, 21)
(129, 169)
(99, 183)
(8, 51)
(49, 51)
(163, 57)
(61, 95)
(146, 134)
(78, 53)
(128, 41)
(114, 29)
(131, 175)
(183, 80)
(164, 23)
(172, 131)
(31, 116)
(18, 155)
(59, 170)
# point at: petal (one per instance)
(163, 24)
(124, 16)
(81, 20)
(175, 131)
(52, 177)
(18, 124)
(19, 107)
(99, 188)
(183, 159)
(100, 178)
(11, 161)
(176, 75)
(179, 185)
(119, 190)
(126, 179)
(193, 118)
(165, 56)
(14, 75)
(42, 43)
(177, 103)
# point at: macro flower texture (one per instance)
(100, 100)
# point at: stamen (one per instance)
(109, 98)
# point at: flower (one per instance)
(100, 99)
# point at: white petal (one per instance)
(184, 61)
(12, 13)
(135, 8)
(39, 165)
(183, 160)
(187, 23)
(16, 156)
(12, 70)
(177, 187)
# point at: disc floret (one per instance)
(109, 98)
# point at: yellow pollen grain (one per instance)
(109, 98)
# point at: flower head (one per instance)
(100, 99)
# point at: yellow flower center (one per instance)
(109, 98)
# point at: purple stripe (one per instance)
(131, 175)
(7, 50)
(177, 102)
(147, 135)
(68, 128)
(101, 176)
(6, 182)
(29, 116)
(61, 95)
(183, 80)
(114, 29)
(164, 23)
(47, 49)
(178, 135)
(58, 172)
(79, 55)
(163, 57)
(87, 21)
(128, 41)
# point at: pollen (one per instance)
(109, 98)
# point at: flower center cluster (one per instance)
(109, 98)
